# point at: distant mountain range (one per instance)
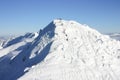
(2, 40)
(115, 36)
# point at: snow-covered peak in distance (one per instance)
(2, 40)
(63, 50)
(28, 37)
(13, 43)
(115, 36)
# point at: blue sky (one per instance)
(21, 16)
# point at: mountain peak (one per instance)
(61, 22)
(63, 50)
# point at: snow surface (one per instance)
(14, 43)
(64, 50)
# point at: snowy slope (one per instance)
(13, 43)
(77, 52)
(64, 50)
(28, 37)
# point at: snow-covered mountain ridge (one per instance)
(64, 50)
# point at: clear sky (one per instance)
(21, 16)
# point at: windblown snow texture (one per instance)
(64, 50)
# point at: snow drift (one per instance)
(64, 50)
